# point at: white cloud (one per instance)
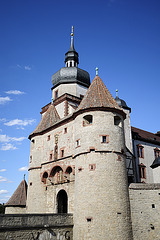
(3, 191)
(15, 92)
(2, 119)
(5, 138)
(27, 68)
(3, 179)
(20, 122)
(23, 169)
(8, 146)
(4, 100)
(19, 66)
(3, 170)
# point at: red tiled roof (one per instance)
(19, 196)
(141, 134)
(98, 96)
(48, 120)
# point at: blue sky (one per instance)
(120, 37)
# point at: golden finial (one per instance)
(72, 32)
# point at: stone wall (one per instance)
(36, 226)
(145, 211)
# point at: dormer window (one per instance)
(87, 120)
(156, 152)
(117, 121)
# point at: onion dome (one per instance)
(71, 73)
(121, 102)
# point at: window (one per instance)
(156, 152)
(142, 171)
(117, 121)
(56, 94)
(62, 153)
(44, 177)
(78, 143)
(87, 120)
(140, 151)
(92, 167)
(65, 130)
(105, 139)
(48, 137)
(30, 159)
(50, 156)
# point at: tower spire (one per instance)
(71, 57)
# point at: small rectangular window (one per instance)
(142, 171)
(65, 130)
(50, 156)
(49, 138)
(140, 151)
(105, 139)
(62, 152)
(56, 94)
(92, 167)
(78, 143)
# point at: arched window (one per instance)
(87, 120)
(57, 174)
(44, 177)
(62, 202)
(68, 175)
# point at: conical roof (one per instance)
(98, 96)
(19, 196)
(48, 120)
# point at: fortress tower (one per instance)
(77, 159)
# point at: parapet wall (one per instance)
(36, 226)
(145, 211)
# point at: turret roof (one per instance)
(19, 196)
(98, 96)
(48, 120)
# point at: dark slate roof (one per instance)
(156, 163)
(48, 120)
(122, 103)
(71, 75)
(72, 54)
(19, 196)
(145, 136)
(98, 96)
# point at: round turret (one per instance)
(101, 189)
